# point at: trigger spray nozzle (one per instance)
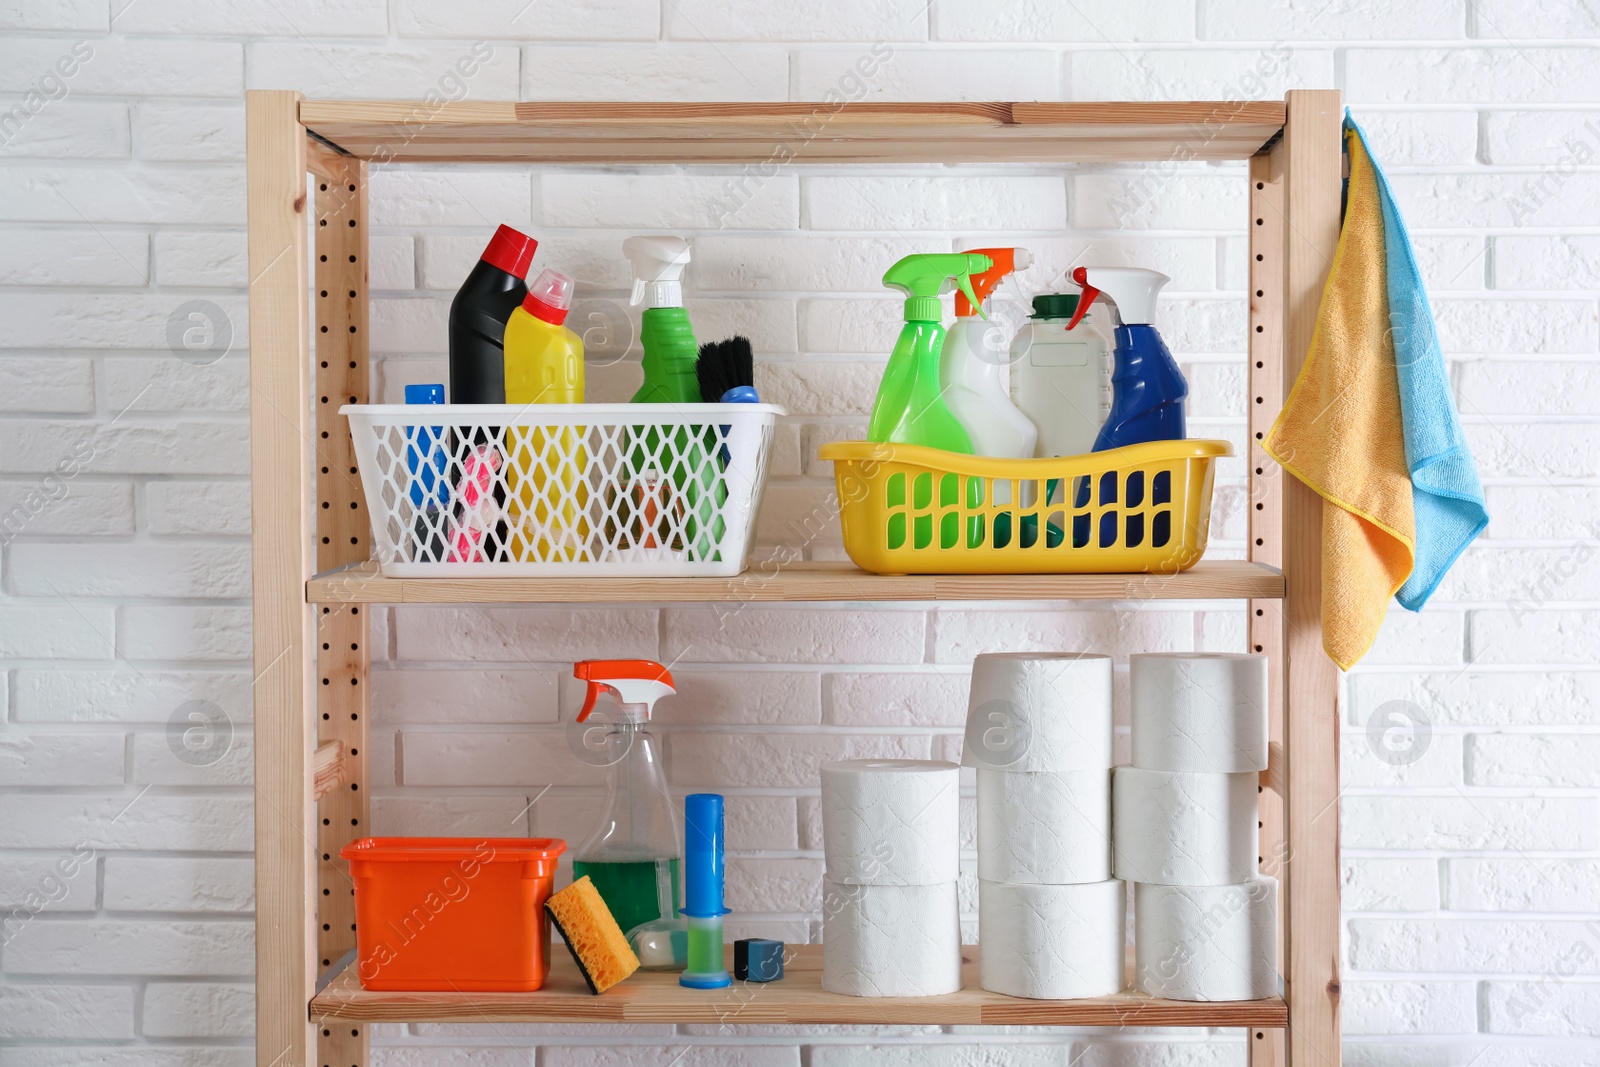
(922, 278)
(636, 683)
(658, 264)
(1089, 292)
(1004, 261)
(1131, 291)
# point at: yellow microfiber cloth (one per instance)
(1341, 432)
(596, 942)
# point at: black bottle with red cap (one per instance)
(478, 315)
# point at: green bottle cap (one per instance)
(923, 309)
(1055, 306)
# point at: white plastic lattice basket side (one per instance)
(553, 490)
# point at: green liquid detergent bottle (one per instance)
(670, 353)
(633, 854)
(910, 408)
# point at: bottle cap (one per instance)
(510, 250)
(1055, 305)
(549, 297)
(432, 393)
(702, 855)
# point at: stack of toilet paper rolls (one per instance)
(1185, 828)
(891, 918)
(1050, 915)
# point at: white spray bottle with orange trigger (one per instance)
(970, 364)
(634, 854)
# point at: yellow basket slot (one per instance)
(906, 509)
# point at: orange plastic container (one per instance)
(452, 913)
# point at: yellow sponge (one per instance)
(592, 935)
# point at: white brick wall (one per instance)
(1472, 917)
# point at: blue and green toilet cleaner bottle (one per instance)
(703, 878)
(670, 354)
(1147, 388)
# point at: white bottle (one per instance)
(1061, 380)
(970, 366)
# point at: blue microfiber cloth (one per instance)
(1446, 494)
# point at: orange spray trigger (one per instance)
(1081, 276)
(589, 699)
(637, 684)
(1004, 261)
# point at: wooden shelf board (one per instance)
(1206, 580)
(809, 132)
(653, 997)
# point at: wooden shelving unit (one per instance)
(312, 575)
(797, 999)
(360, 583)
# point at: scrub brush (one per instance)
(727, 375)
(726, 372)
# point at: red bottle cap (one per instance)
(540, 310)
(549, 297)
(511, 251)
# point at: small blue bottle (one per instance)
(428, 489)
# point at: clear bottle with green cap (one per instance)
(1062, 380)
(910, 407)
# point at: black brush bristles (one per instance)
(724, 365)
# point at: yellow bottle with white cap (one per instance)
(547, 494)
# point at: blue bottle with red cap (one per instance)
(494, 289)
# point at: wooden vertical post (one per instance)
(1312, 164)
(282, 560)
(340, 302)
(1265, 397)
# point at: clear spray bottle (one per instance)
(633, 854)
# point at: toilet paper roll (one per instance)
(1199, 712)
(1046, 828)
(1178, 828)
(1039, 711)
(1207, 942)
(890, 940)
(1052, 942)
(891, 822)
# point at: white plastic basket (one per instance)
(562, 490)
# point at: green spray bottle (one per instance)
(910, 407)
(670, 349)
(670, 353)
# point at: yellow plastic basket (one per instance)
(906, 509)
